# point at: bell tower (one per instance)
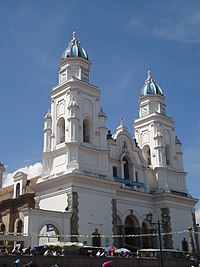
(75, 127)
(70, 66)
(154, 132)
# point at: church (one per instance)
(97, 187)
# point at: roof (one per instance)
(151, 86)
(7, 192)
(74, 49)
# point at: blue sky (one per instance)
(123, 39)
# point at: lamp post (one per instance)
(192, 249)
(149, 218)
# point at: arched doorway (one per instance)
(145, 237)
(48, 233)
(131, 228)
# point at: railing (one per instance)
(128, 182)
(178, 193)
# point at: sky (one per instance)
(124, 39)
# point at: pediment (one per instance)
(20, 176)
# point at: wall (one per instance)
(80, 261)
(181, 220)
(95, 211)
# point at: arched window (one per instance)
(3, 228)
(18, 190)
(86, 131)
(126, 168)
(147, 154)
(61, 131)
(19, 226)
(167, 154)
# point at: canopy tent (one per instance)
(68, 247)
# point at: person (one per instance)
(107, 264)
(98, 253)
(4, 251)
(17, 263)
(111, 251)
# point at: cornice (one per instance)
(77, 61)
(72, 84)
(50, 213)
(155, 118)
(168, 197)
(135, 194)
(151, 96)
(170, 170)
(164, 198)
(74, 178)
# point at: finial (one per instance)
(149, 75)
(102, 113)
(74, 35)
(121, 120)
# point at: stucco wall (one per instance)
(95, 211)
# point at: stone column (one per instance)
(114, 222)
(73, 205)
(196, 237)
(166, 228)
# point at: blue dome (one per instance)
(74, 49)
(151, 87)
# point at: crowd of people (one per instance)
(123, 254)
(112, 251)
(3, 251)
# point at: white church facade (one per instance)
(98, 187)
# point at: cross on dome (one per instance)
(74, 35)
(149, 75)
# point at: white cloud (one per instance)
(32, 171)
(177, 22)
